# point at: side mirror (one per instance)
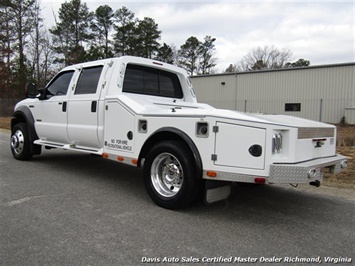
(31, 90)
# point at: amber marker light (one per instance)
(211, 173)
(105, 155)
(120, 158)
(135, 161)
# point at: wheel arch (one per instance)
(171, 133)
(24, 115)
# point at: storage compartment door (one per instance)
(119, 128)
(235, 145)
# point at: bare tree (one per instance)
(268, 57)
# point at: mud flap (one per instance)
(216, 191)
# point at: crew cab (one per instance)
(144, 113)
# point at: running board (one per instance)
(70, 147)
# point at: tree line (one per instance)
(31, 52)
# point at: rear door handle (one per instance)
(64, 106)
(93, 106)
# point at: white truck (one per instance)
(144, 113)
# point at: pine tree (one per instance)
(189, 55)
(148, 36)
(126, 36)
(206, 51)
(72, 32)
(101, 27)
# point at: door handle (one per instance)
(64, 106)
(93, 106)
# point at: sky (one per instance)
(322, 32)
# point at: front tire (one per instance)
(20, 142)
(169, 175)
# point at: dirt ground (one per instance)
(5, 122)
(345, 146)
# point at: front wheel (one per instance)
(169, 171)
(20, 143)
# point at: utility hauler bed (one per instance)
(144, 113)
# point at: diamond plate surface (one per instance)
(232, 177)
(293, 174)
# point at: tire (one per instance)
(169, 175)
(20, 142)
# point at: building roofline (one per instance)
(276, 70)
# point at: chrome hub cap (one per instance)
(17, 142)
(166, 175)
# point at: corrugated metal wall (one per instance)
(323, 91)
(210, 89)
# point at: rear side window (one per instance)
(151, 81)
(88, 80)
(60, 84)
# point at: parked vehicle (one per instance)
(144, 113)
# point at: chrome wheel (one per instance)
(18, 142)
(166, 174)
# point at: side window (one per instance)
(59, 86)
(88, 80)
(151, 81)
(133, 79)
(292, 107)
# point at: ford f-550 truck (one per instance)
(144, 113)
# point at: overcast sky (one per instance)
(320, 31)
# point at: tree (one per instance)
(101, 27)
(126, 33)
(165, 54)
(6, 51)
(71, 33)
(268, 57)
(206, 51)
(6, 33)
(299, 63)
(231, 69)
(35, 45)
(20, 15)
(189, 55)
(148, 36)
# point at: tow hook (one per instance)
(315, 183)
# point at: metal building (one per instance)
(324, 93)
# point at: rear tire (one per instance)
(20, 142)
(169, 175)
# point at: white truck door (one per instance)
(83, 108)
(51, 113)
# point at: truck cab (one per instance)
(144, 113)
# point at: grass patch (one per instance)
(346, 147)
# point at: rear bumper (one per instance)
(307, 171)
(297, 173)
